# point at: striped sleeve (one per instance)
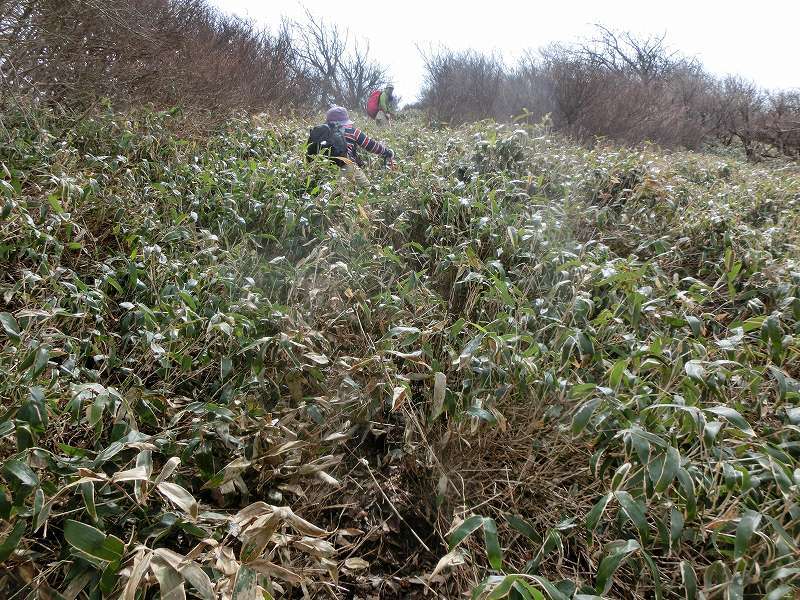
(357, 137)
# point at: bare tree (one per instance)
(622, 88)
(647, 57)
(342, 68)
(739, 105)
(780, 123)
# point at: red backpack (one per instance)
(373, 103)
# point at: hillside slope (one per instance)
(576, 368)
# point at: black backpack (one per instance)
(329, 140)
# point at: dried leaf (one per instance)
(180, 497)
(453, 558)
(141, 562)
(356, 564)
(170, 582)
(136, 474)
(398, 396)
(168, 469)
(439, 389)
(190, 571)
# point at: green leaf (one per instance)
(40, 360)
(583, 415)
(751, 324)
(771, 330)
(696, 325)
(52, 199)
(585, 344)
(87, 491)
(597, 511)
(688, 489)
(523, 527)
(635, 511)
(503, 588)
(654, 573)
(663, 469)
(689, 578)
(493, 550)
(615, 374)
(548, 587)
(748, 524)
(110, 577)
(780, 592)
(531, 591)
(93, 542)
(479, 589)
(33, 411)
(12, 541)
(581, 389)
(733, 417)
(10, 325)
(676, 523)
(226, 364)
(610, 564)
(466, 528)
(21, 472)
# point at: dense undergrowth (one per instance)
(516, 367)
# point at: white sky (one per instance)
(758, 40)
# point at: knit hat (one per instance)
(338, 114)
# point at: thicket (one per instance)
(549, 369)
(619, 86)
(166, 53)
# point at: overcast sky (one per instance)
(758, 40)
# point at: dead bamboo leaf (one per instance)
(439, 389)
(141, 563)
(356, 564)
(168, 469)
(180, 497)
(170, 582)
(451, 559)
(270, 569)
(190, 570)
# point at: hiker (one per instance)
(382, 105)
(339, 138)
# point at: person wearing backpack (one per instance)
(382, 104)
(339, 139)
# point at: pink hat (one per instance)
(338, 114)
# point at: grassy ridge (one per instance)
(566, 371)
